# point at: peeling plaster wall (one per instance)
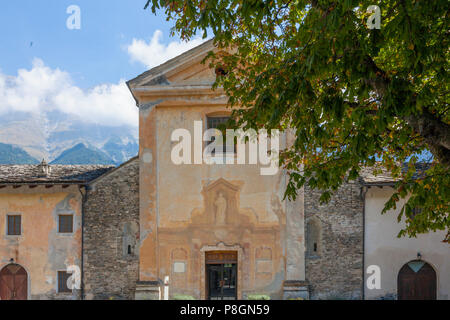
(177, 212)
(384, 249)
(40, 249)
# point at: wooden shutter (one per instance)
(14, 225)
(65, 224)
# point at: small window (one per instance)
(312, 238)
(65, 224)
(416, 211)
(63, 276)
(14, 225)
(220, 71)
(216, 123)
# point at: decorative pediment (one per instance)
(221, 204)
(220, 182)
(184, 76)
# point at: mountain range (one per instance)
(60, 138)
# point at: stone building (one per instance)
(200, 224)
(215, 231)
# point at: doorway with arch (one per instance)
(13, 282)
(417, 281)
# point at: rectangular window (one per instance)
(63, 276)
(65, 223)
(14, 225)
(216, 123)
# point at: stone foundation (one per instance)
(148, 290)
(295, 290)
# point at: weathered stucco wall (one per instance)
(111, 234)
(178, 211)
(40, 249)
(384, 249)
(335, 272)
(185, 213)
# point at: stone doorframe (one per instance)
(221, 247)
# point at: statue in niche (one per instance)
(221, 208)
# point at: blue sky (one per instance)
(94, 54)
(44, 65)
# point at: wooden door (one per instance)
(416, 281)
(13, 283)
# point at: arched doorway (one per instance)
(13, 283)
(416, 281)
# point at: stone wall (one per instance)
(111, 234)
(335, 270)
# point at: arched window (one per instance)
(416, 281)
(129, 238)
(313, 238)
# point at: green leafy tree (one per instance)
(354, 95)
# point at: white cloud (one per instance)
(154, 53)
(44, 89)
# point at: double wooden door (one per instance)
(416, 281)
(13, 283)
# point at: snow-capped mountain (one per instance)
(48, 135)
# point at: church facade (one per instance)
(207, 231)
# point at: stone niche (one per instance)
(221, 201)
(129, 238)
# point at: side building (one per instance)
(410, 268)
(41, 210)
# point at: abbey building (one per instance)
(207, 231)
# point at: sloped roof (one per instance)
(150, 77)
(58, 174)
(157, 81)
(109, 172)
(383, 176)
